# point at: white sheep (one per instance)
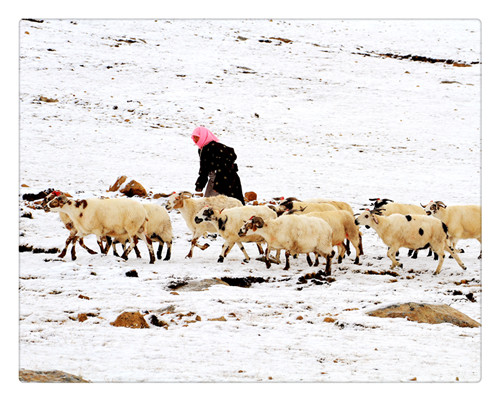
(189, 206)
(319, 205)
(72, 238)
(388, 207)
(295, 234)
(68, 223)
(158, 227)
(343, 227)
(105, 217)
(463, 221)
(338, 204)
(229, 221)
(410, 231)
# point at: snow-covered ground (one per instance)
(309, 116)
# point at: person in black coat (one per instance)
(218, 169)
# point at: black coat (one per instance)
(220, 158)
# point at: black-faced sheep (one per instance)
(229, 221)
(189, 207)
(410, 231)
(388, 207)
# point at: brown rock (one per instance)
(52, 376)
(133, 188)
(426, 313)
(133, 320)
(329, 320)
(250, 196)
(82, 317)
(218, 319)
(117, 184)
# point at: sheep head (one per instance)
(54, 200)
(176, 200)
(252, 224)
(368, 218)
(205, 214)
(433, 207)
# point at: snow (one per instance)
(310, 118)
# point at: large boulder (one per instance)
(51, 376)
(134, 320)
(426, 313)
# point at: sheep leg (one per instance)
(276, 258)
(316, 262)
(193, 244)
(160, 249)
(287, 263)
(137, 253)
(259, 247)
(169, 250)
(82, 244)
(68, 241)
(391, 252)
(309, 261)
(455, 256)
(126, 251)
(266, 257)
(247, 258)
(360, 245)
(149, 244)
(73, 248)
(226, 248)
(103, 248)
(348, 247)
(440, 263)
(342, 250)
(328, 269)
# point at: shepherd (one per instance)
(218, 170)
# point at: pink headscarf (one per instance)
(204, 135)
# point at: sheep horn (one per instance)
(441, 204)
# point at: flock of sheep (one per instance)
(295, 227)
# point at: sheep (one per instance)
(463, 221)
(318, 205)
(158, 227)
(301, 207)
(338, 204)
(228, 223)
(295, 234)
(189, 206)
(388, 207)
(343, 226)
(68, 223)
(105, 217)
(410, 231)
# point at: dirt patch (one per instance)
(244, 282)
(29, 248)
(423, 59)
